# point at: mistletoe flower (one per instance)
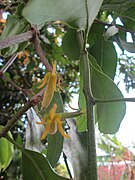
(52, 123)
(51, 80)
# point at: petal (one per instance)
(52, 112)
(61, 130)
(53, 128)
(44, 80)
(45, 132)
(39, 122)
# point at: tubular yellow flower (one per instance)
(52, 123)
(51, 80)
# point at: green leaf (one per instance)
(13, 26)
(35, 166)
(128, 18)
(96, 31)
(70, 44)
(55, 142)
(71, 11)
(108, 115)
(105, 54)
(6, 152)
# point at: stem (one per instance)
(69, 115)
(14, 119)
(34, 101)
(13, 142)
(16, 39)
(114, 100)
(9, 63)
(66, 163)
(92, 165)
(121, 28)
(41, 53)
(11, 82)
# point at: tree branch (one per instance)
(33, 102)
(9, 63)
(41, 53)
(16, 39)
(121, 28)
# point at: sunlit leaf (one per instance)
(35, 166)
(6, 152)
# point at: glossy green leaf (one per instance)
(6, 152)
(13, 26)
(55, 142)
(71, 11)
(35, 166)
(70, 44)
(105, 54)
(108, 115)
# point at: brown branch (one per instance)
(41, 54)
(16, 39)
(39, 50)
(121, 28)
(11, 82)
(24, 91)
(9, 63)
(33, 102)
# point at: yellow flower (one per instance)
(52, 123)
(51, 80)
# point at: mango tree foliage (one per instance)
(58, 23)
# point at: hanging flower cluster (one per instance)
(52, 122)
(50, 80)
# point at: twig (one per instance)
(66, 163)
(11, 82)
(121, 28)
(114, 100)
(8, 64)
(24, 91)
(40, 51)
(33, 102)
(16, 39)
